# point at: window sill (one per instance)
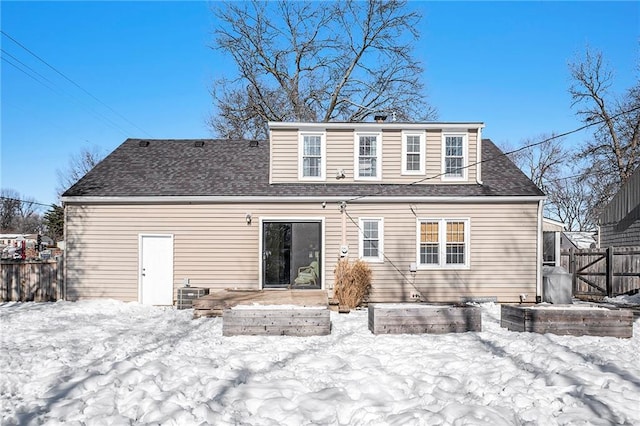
(442, 267)
(312, 179)
(372, 259)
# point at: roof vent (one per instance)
(143, 144)
(253, 143)
(199, 144)
(380, 118)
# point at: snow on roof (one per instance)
(581, 239)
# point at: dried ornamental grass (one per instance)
(353, 281)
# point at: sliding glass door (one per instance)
(291, 254)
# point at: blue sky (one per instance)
(148, 72)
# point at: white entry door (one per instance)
(156, 269)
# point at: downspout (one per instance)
(65, 253)
(539, 295)
(479, 157)
(270, 156)
(343, 244)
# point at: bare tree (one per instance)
(9, 206)
(18, 214)
(571, 202)
(78, 166)
(543, 159)
(552, 166)
(316, 61)
(613, 153)
(29, 219)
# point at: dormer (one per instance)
(375, 152)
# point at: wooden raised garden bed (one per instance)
(417, 318)
(574, 320)
(276, 321)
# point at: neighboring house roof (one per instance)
(550, 225)
(581, 240)
(143, 168)
(11, 236)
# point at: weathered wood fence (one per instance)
(603, 271)
(27, 281)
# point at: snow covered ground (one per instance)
(112, 363)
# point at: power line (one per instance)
(504, 154)
(25, 201)
(385, 256)
(480, 162)
(74, 83)
(95, 113)
(24, 65)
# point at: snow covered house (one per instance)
(435, 210)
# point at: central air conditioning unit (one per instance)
(186, 296)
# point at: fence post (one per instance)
(609, 271)
(572, 269)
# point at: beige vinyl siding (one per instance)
(215, 248)
(284, 156)
(434, 155)
(392, 158)
(473, 155)
(340, 156)
(503, 263)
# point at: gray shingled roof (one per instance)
(236, 168)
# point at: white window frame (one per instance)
(405, 152)
(380, 257)
(465, 157)
(323, 156)
(356, 156)
(442, 243)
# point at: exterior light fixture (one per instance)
(248, 218)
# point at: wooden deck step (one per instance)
(216, 302)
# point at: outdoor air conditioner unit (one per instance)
(186, 296)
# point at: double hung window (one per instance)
(371, 241)
(454, 158)
(413, 153)
(311, 158)
(368, 158)
(443, 243)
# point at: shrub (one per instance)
(352, 282)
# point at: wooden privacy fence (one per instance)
(603, 271)
(32, 280)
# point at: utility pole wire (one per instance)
(52, 87)
(560, 135)
(385, 256)
(25, 201)
(24, 65)
(74, 83)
